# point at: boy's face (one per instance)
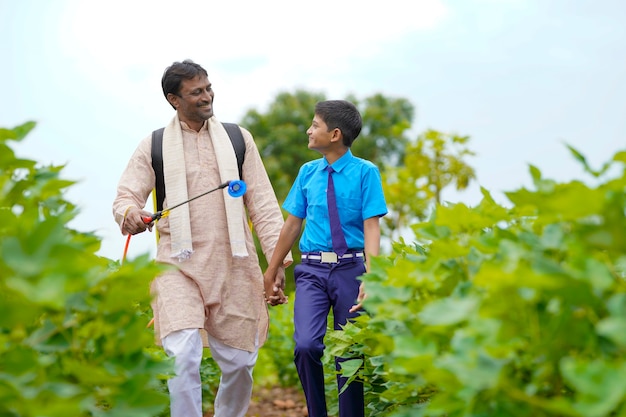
(320, 139)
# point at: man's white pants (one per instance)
(235, 389)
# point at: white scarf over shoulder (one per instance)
(176, 188)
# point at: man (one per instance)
(217, 283)
(341, 198)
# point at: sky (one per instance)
(521, 78)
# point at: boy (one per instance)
(333, 257)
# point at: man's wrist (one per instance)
(127, 210)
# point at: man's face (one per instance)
(194, 103)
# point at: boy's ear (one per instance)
(337, 135)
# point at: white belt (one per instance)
(329, 257)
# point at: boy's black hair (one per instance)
(343, 115)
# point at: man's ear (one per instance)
(173, 100)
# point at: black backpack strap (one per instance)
(236, 138)
(157, 165)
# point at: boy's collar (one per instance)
(341, 162)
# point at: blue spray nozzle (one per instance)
(236, 188)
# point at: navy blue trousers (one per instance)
(319, 287)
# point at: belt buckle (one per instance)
(329, 257)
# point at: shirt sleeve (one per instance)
(296, 203)
(373, 196)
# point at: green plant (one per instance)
(517, 311)
(73, 337)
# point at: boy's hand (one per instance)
(278, 298)
(274, 284)
(359, 299)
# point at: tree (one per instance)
(435, 161)
(438, 159)
(385, 121)
(280, 135)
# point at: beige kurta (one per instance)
(212, 290)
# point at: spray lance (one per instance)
(236, 188)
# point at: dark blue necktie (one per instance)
(339, 241)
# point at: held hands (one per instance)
(274, 283)
(133, 222)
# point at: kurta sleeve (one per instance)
(136, 182)
(260, 200)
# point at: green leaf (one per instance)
(448, 311)
(17, 133)
(599, 384)
(613, 328)
(535, 173)
(620, 156)
(350, 367)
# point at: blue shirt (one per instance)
(359, 192)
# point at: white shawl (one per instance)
(176, 188)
